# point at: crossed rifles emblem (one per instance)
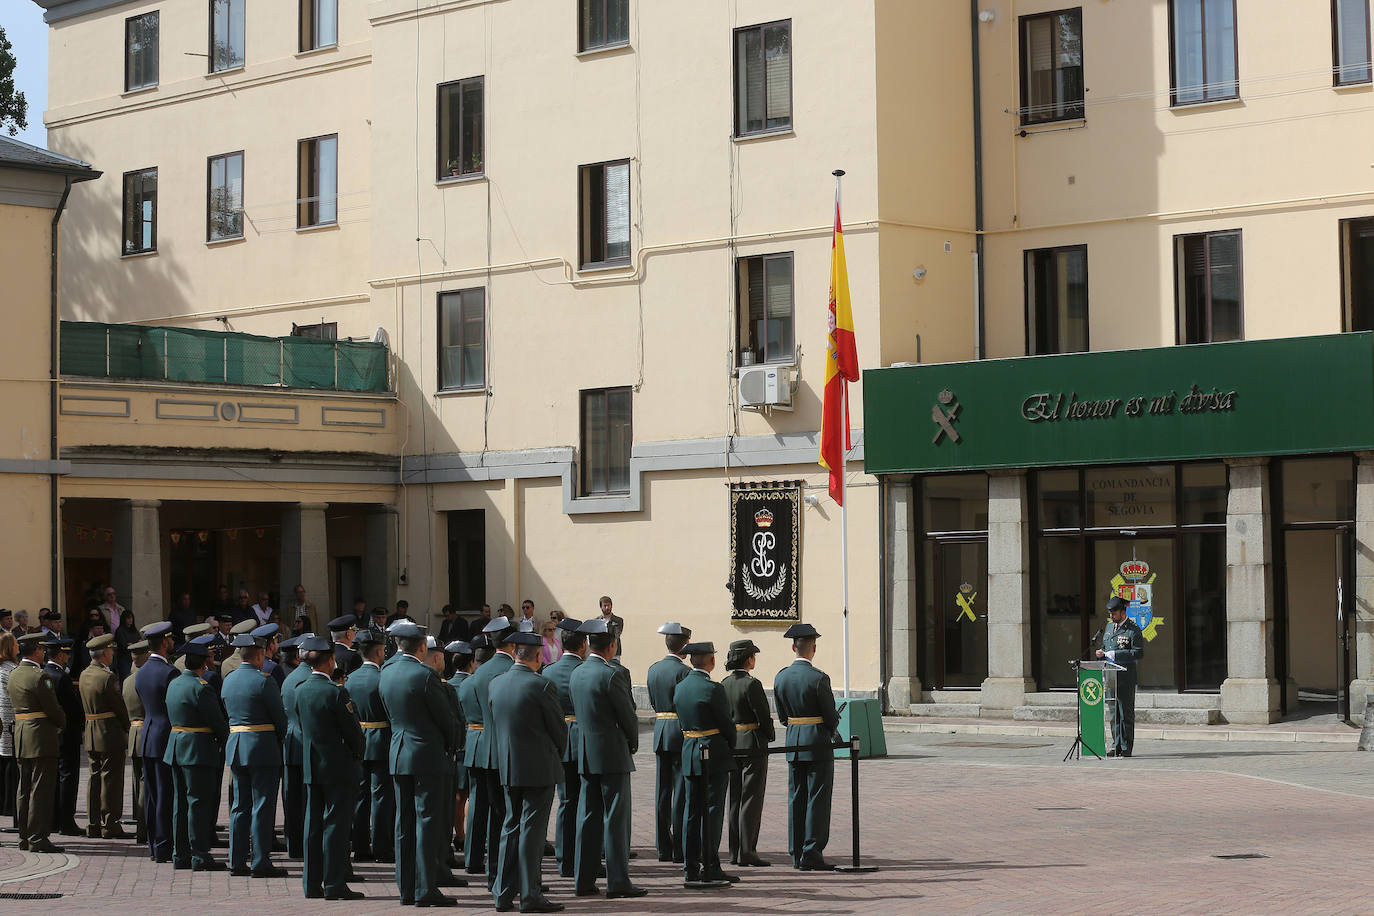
(945, 419)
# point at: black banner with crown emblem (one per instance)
(765, 551)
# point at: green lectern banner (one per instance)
(1091, 722)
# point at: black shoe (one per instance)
(816, 864)
(52, 848)
(208, 865)
(436, 900)
(592, 891)
(386, 860)
(161, 860)
(663, 858)
(114, 833)
(354, 877)
(314, 895)
(475, 871)
(72, 830)
(601, 872)
(269, 871)
(633, 854)
(1111, 753)
(1125, 753)
(278, 846)
(548, 851)
(23, 845)
(362, 857)
(344, 893)
(722, 876)
(406, 901)
(678, 860)
(505, 907)
(181, 866)
(629, 891)
(243, 871)
(450, 881)
(754, 862)
(542, 906)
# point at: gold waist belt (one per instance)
(475, 726)
(570, 718)
(747, 727)
(666, 715)
(26, 716)
(806, 720)
(95, 716)
(192, 730)
(240, 729)
(375, 724)
(701, 734)
(135, 723)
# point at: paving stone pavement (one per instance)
(956, 824)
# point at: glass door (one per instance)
(1142, 571)
(961, 616)
(1319, 598)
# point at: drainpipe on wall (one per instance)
(979, 346)
(884, 598)
(54, 509)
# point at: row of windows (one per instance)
(317, 200)
(319, 28)
(1208, 289)
(1203, 48)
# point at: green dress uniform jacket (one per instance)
(475, 835)
(134, 703)
(106, 740)
(257, 727)
(570, 786)
(293, 769)
(38, 721)
(374, 815)
(460, 769)
(707, 727)
(194, 752)
(753, 733)
(607, 739)
(802, 691)
(529, 738)
(422, 734)
(670, 795)
(1127, 645)
(332, 748)
(482, 764)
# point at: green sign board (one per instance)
(1246, 398)
(1092, 722)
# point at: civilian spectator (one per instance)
(262, 611)
(301, 607)
(110, 609)
(125, 636)
(183, 616)
(243, 610)
(224, 603)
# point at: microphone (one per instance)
(1096, 635)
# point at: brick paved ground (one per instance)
(957, 824)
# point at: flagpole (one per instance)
(844, 497)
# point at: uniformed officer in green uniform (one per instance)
(376, 806)
(460, 655)
(106, 740)
(707, 759)
(194, 752)
(257, 727)
(443, 851)
(474, 846)
(139, 652)
(753, 734)
(608, 737)
(1124, 644)
(293, 768)
(669, 792)
(242, 628)
(332, 749)
(482, 760)
(38, 722)
(422, 733)
(569, 788)
(529, 737)
(806, 705)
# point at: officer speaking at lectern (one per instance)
(1122, 643)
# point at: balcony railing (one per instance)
(123, 351)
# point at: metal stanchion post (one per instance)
(854, 866)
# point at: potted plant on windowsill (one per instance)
(455, 168)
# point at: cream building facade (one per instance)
(555, 211)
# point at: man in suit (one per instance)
(422, 733)
(451, 629)
(376, 804)
(59, 651)
(529, 737)
(570, 787)
(139, 652)
(38, 722)
(1124, 644)
(614, 625)
(608, 737)
(707, 761)
(482, 761)
(293, 767)
(806, 705)
(669, 797)
(152, 682)
(753, 733)
(106, 739)
(332, 748)
(346, 659)
(194, 752)
(257, 727)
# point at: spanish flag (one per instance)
(841, 366)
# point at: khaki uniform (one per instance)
(106, 740)
(134, 704)
(38, 720)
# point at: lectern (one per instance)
(1095, 679)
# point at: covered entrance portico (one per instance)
(1201, 483)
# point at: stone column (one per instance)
(305, 559)
(379, 557)
(903, 686)
(1009, 599)
(1250, 693)
(1362, 627)
(136, 567)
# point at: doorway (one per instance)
(1318, 593)
(467, 560)
(960, 618)
(348, 583)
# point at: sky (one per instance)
(24, 27)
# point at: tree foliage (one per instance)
(14, 108)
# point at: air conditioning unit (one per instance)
(765, 386)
